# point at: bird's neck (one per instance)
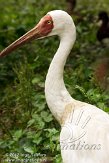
(56, 93)
(105, 22)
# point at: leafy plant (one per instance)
(27, 128)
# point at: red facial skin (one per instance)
(43, 28)
(45, 25)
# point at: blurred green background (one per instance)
(26, 124)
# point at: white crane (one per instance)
(84, 136)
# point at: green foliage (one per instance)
(28, 130)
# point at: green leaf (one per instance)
(47, 117)
(17, 135)
(37, 141)
(29, 149)
(30, 122)
(35, 80)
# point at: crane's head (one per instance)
(103, 16)
(56, 22)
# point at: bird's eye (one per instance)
(49, 22)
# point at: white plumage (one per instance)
(84, 136)
(93, 145)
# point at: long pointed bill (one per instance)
(42, 29)
(29, 36)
